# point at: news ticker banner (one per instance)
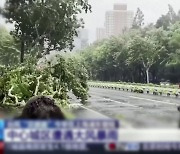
(78, 131)
(119, 146)
(77, 135)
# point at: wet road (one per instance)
(133, 110)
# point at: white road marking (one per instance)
(174, 104)
(108, 99)
(162, 102)
(127, 104)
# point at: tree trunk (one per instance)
(132, 78)
(22, 51)
(147, 75)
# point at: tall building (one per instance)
(100, 34)
(118, 20)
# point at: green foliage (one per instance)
(138, 21)
(53, 23)
(142, 55)
(147, 50)
(41, 26)
(139, 88)
(134, 56)
(125, 57)
(9, 53)
(56, 79)
(167, 20)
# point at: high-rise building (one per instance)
(118, 20)
(100, 34)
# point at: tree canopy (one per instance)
(50, 24)
(9, 53)
(144, 54)
(167, 20)
(39, 27)
(138, 19)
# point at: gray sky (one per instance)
(152, 9)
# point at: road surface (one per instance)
(133, 110)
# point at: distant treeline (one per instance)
(143, 54)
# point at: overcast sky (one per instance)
(152, 10)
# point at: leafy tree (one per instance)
(119, 53)
(146, 50)
(89, 58)
(50, 24)
(173, 67)
(172, 14)
(167, 20)
(53, 78)
(163, 21)
(173, 63)
(174, 33)
(138, 21)
(141, 55)
(9, 53)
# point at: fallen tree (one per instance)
(19, 83)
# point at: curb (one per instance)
(139, 90)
